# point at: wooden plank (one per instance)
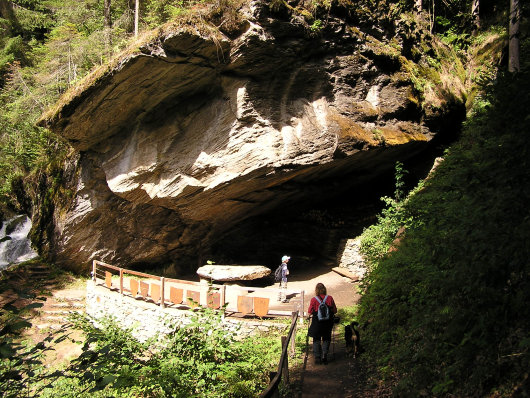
(163, 292)
(175, 295)
(244, 304)
(108, 279)
(134, 287)
(141, 274)
(144, 289)
(280, 312)
(181, 281)
(214, 300)
(345, 272)
(195, 296)
(261, 306)
(101, 263)
(155, 292)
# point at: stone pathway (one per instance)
(61, 298)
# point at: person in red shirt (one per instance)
(320, 330)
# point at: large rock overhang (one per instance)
(194, 134)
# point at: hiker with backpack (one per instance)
(322, 310)
(280, 275)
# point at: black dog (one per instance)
(353, 339)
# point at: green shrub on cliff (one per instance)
(447, 314)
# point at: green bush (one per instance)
(198, 359)
(377, 239)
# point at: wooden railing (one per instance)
(283, 365)
(176, 292)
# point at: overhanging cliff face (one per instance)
(192, 135)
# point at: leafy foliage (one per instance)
(198, 359)
(377, 239)
(447, 313)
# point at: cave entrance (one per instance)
(313, 231)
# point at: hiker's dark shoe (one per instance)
(324, 360)
(317, 361)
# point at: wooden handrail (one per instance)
(141, 274)
(275, 382)
(222, 289)
(192, 283)
(97, 262)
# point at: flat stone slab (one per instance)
(347, 273)
(228, 273)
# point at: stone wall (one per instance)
(350, 257)
(146, 319)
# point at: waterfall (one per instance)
(14, 243)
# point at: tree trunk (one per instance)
(515, 17)
(7, 14)
(431, 17)
(107, 24)
(475, 18)
(418, 6)
(136, 17)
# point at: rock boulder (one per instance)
(196, 132)
(228, 273)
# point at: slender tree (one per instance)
(475, 18)
(432, 15)
(515, 17)
(107, 25)
(136, 17)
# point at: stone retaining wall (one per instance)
(146, 319)
(350, 257)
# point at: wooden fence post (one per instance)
(276, 392)
(285, 371)
(303, 308)
(121, 280)
(293, 337)
(162, 282)
(223, 295)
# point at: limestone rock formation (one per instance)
(195, 133)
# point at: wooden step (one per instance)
(345, 272)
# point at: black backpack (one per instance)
(323, 313)
(278, 273)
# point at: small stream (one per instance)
(15, 246)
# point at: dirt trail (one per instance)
(336, 379)
(339, 377)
